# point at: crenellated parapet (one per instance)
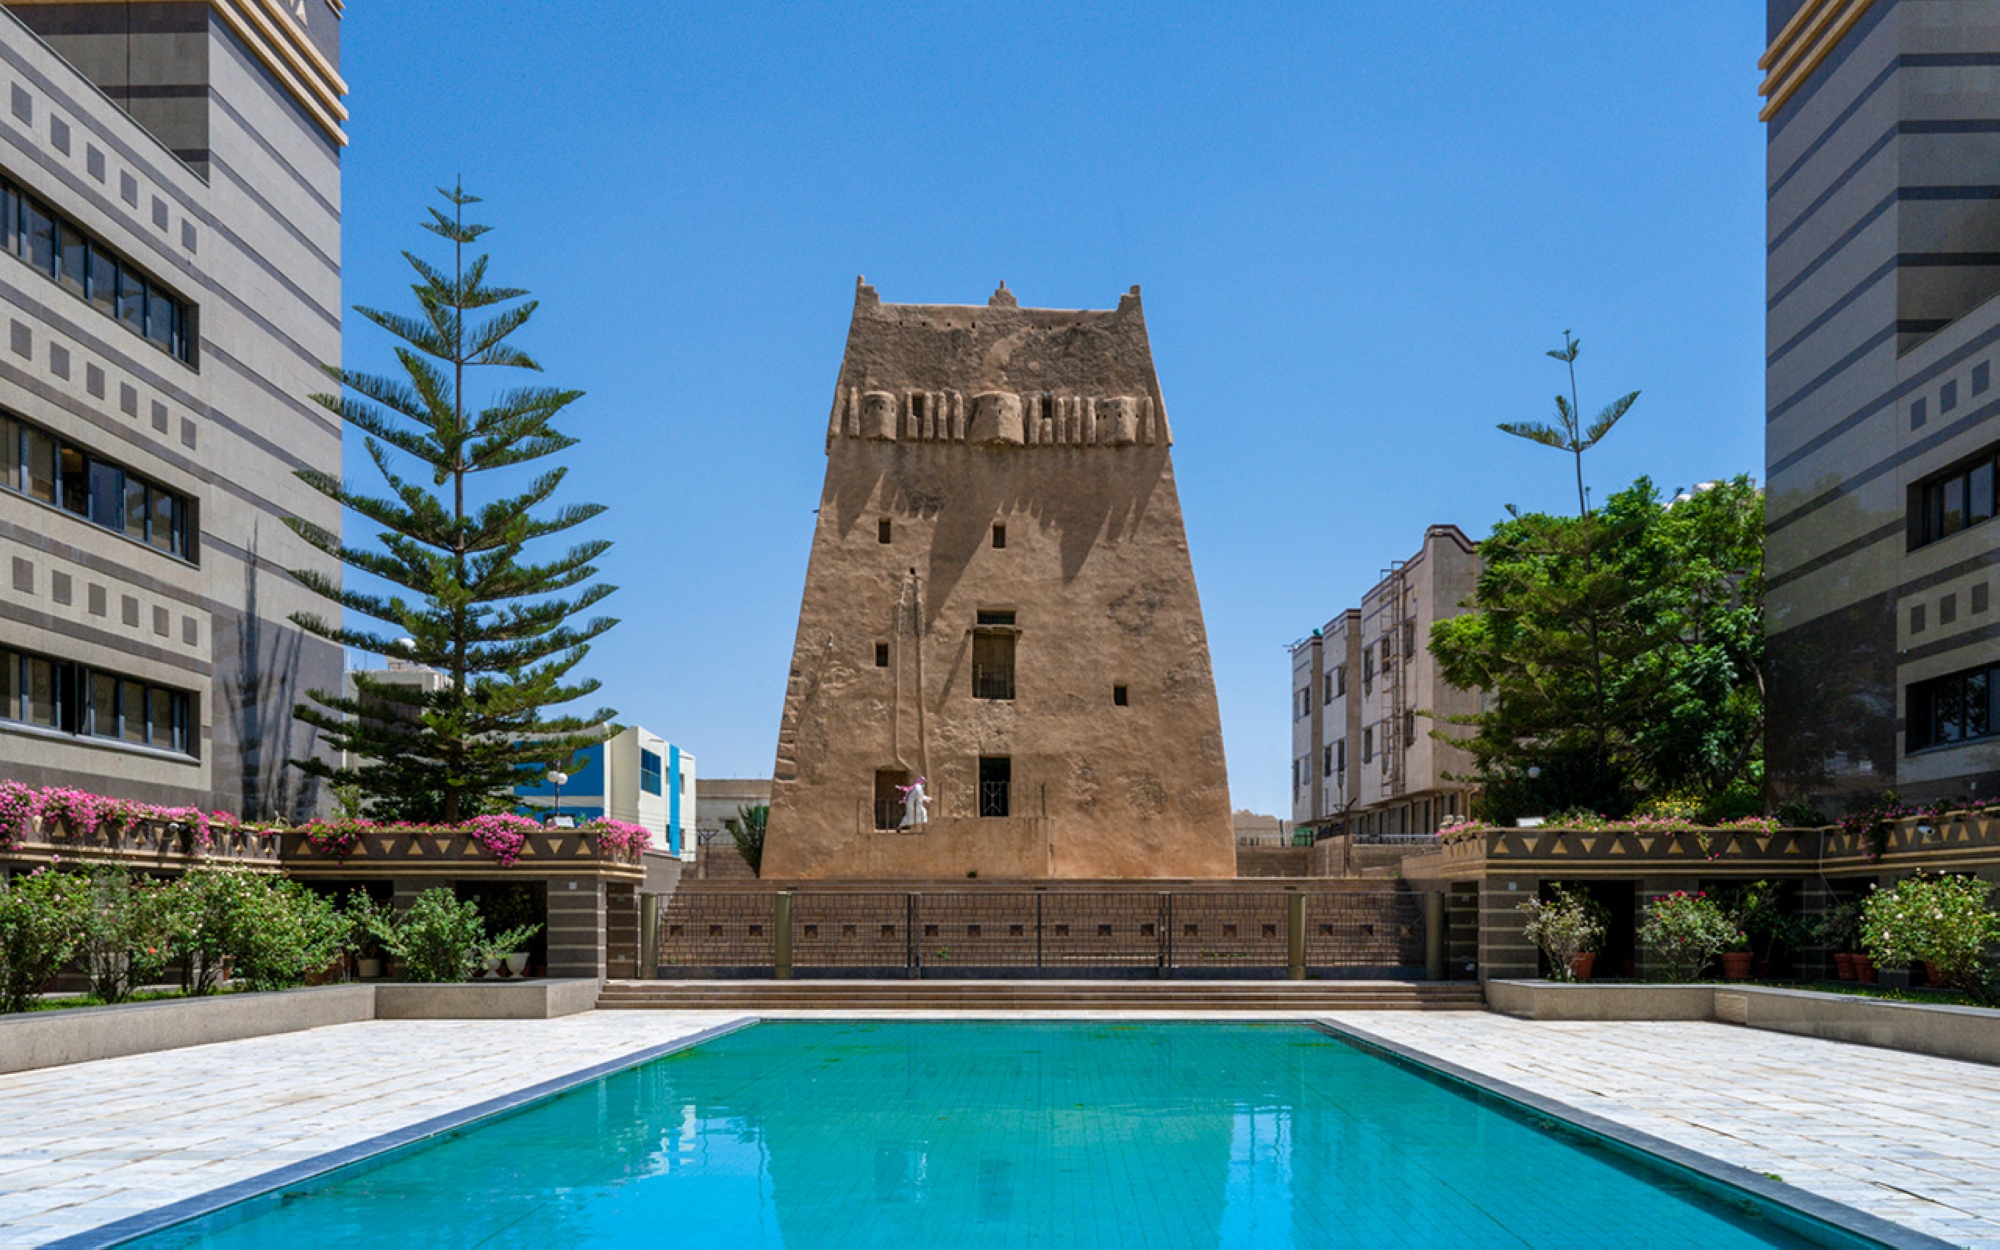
(999, 419)
(999, 376)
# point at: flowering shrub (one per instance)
(19, 805)
(1462, 829)
(1563, 927)
(503, 836)
(618, 837)
(337, 839)
(42, 923)
(1682, 932)
(79, 814)
(1945, 922)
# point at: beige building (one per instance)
(1366, 695)
(170, 210)
(999, 601)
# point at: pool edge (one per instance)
(146, 1223)
(1844, 1218)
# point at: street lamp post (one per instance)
(556, 778)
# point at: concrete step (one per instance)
(1038, 995)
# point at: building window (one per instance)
(889, 783)
(1409, 729)
(881, 655)
(1340, 755)
(993, 656)
(1951, 501)
(882, 530)
(1120, 696)
(1958, 708)
(1327, 762)
(71, 698)
(999, 537)
(1917, 415)
(1368, 745)
(1982, 377)
(35, 463)
(1367, 669)
(1340, 680)
(996, 779)
(1326, 691)
(1305, 702)
(1409, 639)
(650, 772)
(1947, 397)
(87, 269)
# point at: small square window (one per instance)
(999, 537)
(1120, 697)
(1917, 417)
(882, 530)
(881, 655)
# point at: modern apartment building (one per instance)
(635, 776)
(1882, 422)
(170, 210)
(1366, 694)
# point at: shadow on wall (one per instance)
(258, 713)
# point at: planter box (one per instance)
(1969, 1033)
(480, 1000)
(45, 1039)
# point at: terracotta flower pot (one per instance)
(1843, 966)
(1580, 965)
(1864, 969)
(1736, 965)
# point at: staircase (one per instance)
(1038, 995)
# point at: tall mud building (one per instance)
(999, 601)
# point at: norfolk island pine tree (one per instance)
(461, 601)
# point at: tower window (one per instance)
(1120, 697)
(999, 537)
(882, 530)
(993, 656)
(996, 779)
(881, 655)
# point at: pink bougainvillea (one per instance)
(504, 836)
(618, 837)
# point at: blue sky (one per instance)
(1357, 226)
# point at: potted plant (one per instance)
(514, 912)
(1568, 928)
(1753, 909)
(1682, 932)
(368, 920)
(1838, 931)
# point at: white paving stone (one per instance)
(1907, 1137)
(1911, 1138)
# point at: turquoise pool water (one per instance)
(919, 1134)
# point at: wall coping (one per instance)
(46, 1039)
(1947, 1030)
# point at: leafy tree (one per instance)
(461, 599)
(747, 827)
(43, 916)
(441, 937)
(1574, 437)
(128, 932)
(1621, 653)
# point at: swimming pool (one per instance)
(977, 1133)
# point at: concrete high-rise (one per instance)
(1883, 257)
(999, 600)
(170, 206)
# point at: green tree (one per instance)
(461, 599)
(1573, 437)
(747, 827)
(1621, 653)
(43, 919)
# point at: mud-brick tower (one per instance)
(999, 600)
